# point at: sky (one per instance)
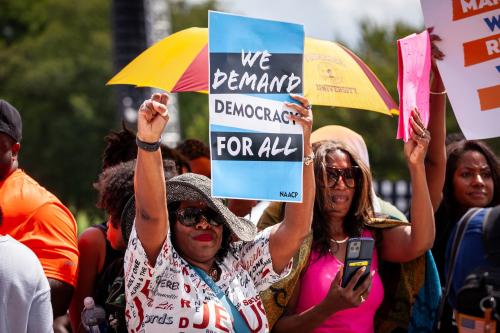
(336, 20)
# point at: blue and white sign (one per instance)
(254, 66)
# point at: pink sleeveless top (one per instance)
(315, 284)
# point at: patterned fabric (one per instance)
(402, 281)
(171, 297)
(423, 315)
(276, 297)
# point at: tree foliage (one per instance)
(193, 106)
(55, 58)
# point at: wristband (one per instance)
(147, 146)
(308, 159)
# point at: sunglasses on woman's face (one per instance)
(191, 216)
(349, 176)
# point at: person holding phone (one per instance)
(342, 209)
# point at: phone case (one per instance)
(358, 254)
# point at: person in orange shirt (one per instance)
(35, 217)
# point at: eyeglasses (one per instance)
(349, 175)
(191, 216)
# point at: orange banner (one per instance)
(489, 98)
(467, 8)
(481, 50)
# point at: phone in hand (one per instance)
(358, 254)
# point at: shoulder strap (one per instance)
(491, 234)
(240, 325)
(102, 227)
(457, 240)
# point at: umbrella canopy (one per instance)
(333, 75)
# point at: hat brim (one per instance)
(179, 190)
(193, 187)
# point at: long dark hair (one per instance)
(361, 206)
(454, 152)
(226, 232)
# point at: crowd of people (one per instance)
(172, 258)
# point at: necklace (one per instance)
(336, 244)
(340, 241)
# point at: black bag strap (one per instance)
(457, 240)
(491, 234)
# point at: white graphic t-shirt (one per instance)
(171, 297)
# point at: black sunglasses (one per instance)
(191, 216)
(349, 175)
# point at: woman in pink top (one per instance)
(342, 206)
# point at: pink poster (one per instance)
(414, 63)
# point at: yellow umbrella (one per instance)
(333, 75)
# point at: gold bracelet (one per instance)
(438, 92)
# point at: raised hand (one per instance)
(304, 117)
(416, 148)
(152, 118)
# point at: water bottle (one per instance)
(92, 315)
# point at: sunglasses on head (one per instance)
(349, 176)
(191, 216)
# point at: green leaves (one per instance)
(55, 62)
(55, 58)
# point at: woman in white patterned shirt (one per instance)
(182, 273)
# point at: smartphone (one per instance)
(358, 254)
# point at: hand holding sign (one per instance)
(304, 117)
(416, 148)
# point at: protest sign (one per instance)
(414, 64)
(470, 32)
(256, 151)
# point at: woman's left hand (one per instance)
(416, 148)
(304, 116)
